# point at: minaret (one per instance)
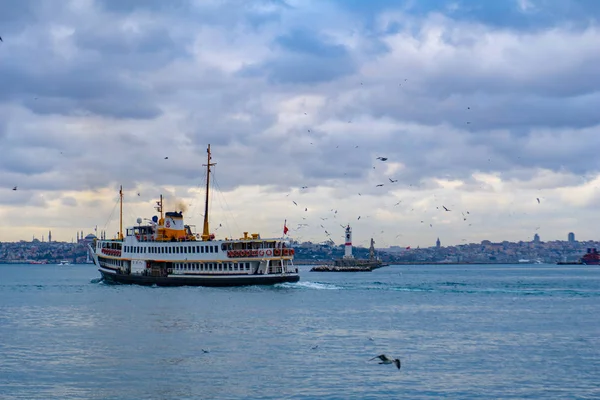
(49, 236)
(348, 246)
(438, 243)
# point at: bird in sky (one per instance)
(386, 360)
(381, 184)
(304, 187)
(446, 208)
(382, 158)
(1, 39)
(294, 202)
(15, 188)
(166, 158)
(538, 200)
(393, 180)
(398, 203)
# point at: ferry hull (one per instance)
(213, 281)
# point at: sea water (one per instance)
(461, 331)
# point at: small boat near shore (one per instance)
(166, 252)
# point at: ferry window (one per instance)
(201, 249)
(216, 249)
(223, 247)
(169, 250)
(197, 249)
(184, 248)
(235, 266)
(230, 267)
(210, 248)
(247, 266)
(220, 267)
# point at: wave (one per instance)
(310, 285)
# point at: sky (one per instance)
(486, 108)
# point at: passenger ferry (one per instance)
(165, 252)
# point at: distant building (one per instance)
(438, 244)
(49, 236)
(536, 238)
(571, 237)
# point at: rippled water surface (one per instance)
(514, 331)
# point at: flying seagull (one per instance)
(538, 199)
(166, 158)
(393, 180)
(445, 208)
(1, 39)
(382, 158)
(381, 184)
(385, 360)
(15, 188)
(294, 202)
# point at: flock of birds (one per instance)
(391, 181)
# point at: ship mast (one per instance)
(205, 230)
(121, 212)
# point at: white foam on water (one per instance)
(310, 285)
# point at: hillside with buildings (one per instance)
(325, 253)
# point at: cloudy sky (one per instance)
(482, 107)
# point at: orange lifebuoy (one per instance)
(254, 253)
(291, 252)
(269, 252)
(276, 252)
(229, 253)
(236, 253)
(261, 253)
(137, 237)
(247, 253)
(286, 252)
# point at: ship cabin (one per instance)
(178, 251)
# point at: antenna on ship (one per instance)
(205, 230)
(121, 212)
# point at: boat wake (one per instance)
(309, 285)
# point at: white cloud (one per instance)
(471, 116)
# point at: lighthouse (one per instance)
(348, 246)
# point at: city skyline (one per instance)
(571, 238)
(407, 120)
